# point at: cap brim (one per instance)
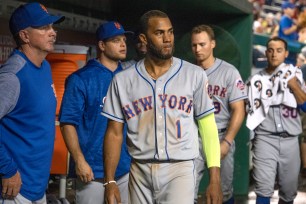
(49, 20)
(129, 32)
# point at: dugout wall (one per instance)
(232, 21)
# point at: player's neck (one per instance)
(157, 68)
(108, 63)
(206, 64)
(34, 55)
(270, 69)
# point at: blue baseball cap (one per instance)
(287, 4)
(110, 29)
(31, 15)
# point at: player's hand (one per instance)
(84, 171)
(11, 186)
(214, 194)
(112, 194)
(293, 83)
(224, 149)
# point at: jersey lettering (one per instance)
(145, 104)
(128, 112)
(136, 108)
(163, 98)
(217, 106)
(172, 101)
(182, 103)
(217, 90)
(289, 112)
(178, 129)
(223, 92)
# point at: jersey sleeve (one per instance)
(73, 101)
(236, 87)
(203, 104)
(9, 94)
(112, 106)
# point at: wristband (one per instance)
(106, 183)
(225, 140)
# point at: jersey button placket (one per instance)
(160, 120)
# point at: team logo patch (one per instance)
(117, 25)
(208, 90)
(43, 8)
(240, 84)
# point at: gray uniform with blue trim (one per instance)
(275, 151)
(160, 116)
(225, 87)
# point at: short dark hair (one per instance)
(204, 28)
(278, 39)
(18, 40)
(144, 19)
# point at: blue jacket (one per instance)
(85, 92)
(27, 123)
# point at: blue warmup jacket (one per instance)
(27, 125)
(85, 92)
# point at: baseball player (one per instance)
(160, 98)
(228, 93)
(140, 49)
(275, 145)
(27, 107)
(82, 124)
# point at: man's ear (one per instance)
(24, 36)
(143, 38)
(101, 45)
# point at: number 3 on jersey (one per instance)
(217, 106)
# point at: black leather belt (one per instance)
(222, 130)
(283, 134)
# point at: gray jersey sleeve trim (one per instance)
(238, 99)
(205, 113)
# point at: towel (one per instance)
(265, 90)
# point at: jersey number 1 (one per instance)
(178, 128)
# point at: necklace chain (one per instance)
(154, 78)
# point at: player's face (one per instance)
(159, 38)
(276, 53)
(41, 38)
(115, 48)
(141, 49)
(202, 46)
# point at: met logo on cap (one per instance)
(43, 8)
(117, 25)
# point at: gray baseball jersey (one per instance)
(276, 151)
(128, 64)
(225, 87)
(160, 114)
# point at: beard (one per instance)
(157, 52)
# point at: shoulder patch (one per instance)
(240, 84)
